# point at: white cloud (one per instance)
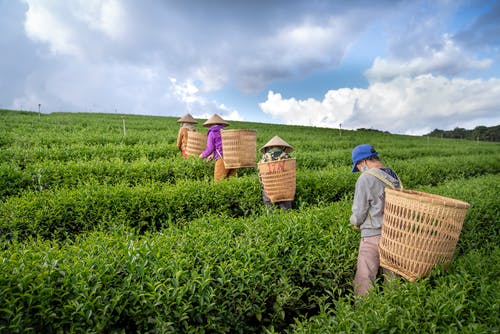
(106, 16)
(448, 59)
(403, 105)
(327, 113)
(121, 54)
(185, 91)
(212, 77)
(76, 28)
(299, 47)
(307, 42)
(44, 25)
(120, 51)
(198, 105)
(107, 55)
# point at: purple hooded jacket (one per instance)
(214, 142)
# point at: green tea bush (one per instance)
(223, 274)
(52, 174)
(13, 179)
(101, 232)
(216, 274)
(62, 212)
(324, 186)
(78, 152)
(465, 300)
(481, 226)
(432, 171)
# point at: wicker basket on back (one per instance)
(196, 143)
(278, 179)
(239, 148)
(419, 231)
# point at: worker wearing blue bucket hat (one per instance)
(368, 211)
(360, 153)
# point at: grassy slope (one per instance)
(86, 154)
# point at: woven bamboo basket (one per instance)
(196, 143)
(278, 179)
(419, 231)
(239, 148)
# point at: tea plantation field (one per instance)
(110, 231)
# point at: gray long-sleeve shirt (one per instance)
(369, 200)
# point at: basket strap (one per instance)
(220, 155)
(389, 183)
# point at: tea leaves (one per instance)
(101, 233)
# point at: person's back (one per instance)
(274, 150)
(369, 190)
(214, 149)
(368, 210)
(214, 142)
(187, 124)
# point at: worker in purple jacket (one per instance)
(213, 151)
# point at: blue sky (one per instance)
(406, 67)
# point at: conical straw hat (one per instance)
(187, 119)
(215, 119)
(277, 141)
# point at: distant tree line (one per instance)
(482, 133)
(371, 130)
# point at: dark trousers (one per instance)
(285, 205)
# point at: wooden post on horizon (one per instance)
(340, 129)
(39, 105)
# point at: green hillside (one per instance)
(104, 228)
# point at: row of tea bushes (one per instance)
(321, 156)
(435, 170)
(28, 129)
(216, 274)
(419, 148)
(481, 228)
(50, 174)
(462, 300)
(152, 205)
(24, 157)
(421, 154)
(265, 272)
(20, 166)
(332, 184)
(63, 212)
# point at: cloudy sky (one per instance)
(406, 67)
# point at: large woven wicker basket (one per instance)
(278, 179)
(239, 148)
(196, 143)
(419, 231)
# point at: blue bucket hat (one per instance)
(360, 152)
